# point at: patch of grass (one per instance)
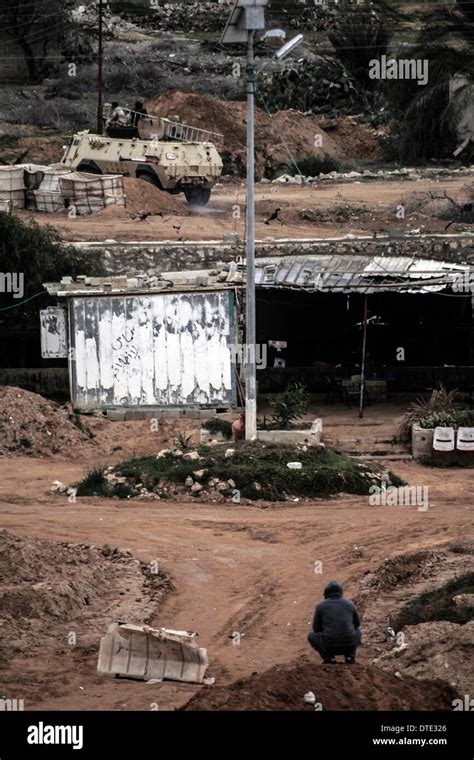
(8, 140)
(323, 471)
(438, 605)
(94, 484)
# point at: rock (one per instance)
(464, 600)
(257, 486)
(163, 453)
(191, 456)
(196, 487)
(189, 482)
(231, 483)
(229, 453)
(294, 465)
(309, 697)
(199, 474)
(222, 485)
(58, 487)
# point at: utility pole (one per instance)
(362, 365)
(246, 18)
(100, 72)
(250, 308)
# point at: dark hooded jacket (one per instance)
(336, 618)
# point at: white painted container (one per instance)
(163, 349)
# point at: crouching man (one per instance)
(336, 626)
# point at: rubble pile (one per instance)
(34, 426)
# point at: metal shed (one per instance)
(146, 349)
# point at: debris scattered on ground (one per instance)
(35, 426)
(438, 650)
(339, 687)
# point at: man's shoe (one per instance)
(349, 660)
(330, 661)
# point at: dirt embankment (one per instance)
(304, 135)
(56, 601)
(335, 687)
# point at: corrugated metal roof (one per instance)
(336, 274)
(361, 274)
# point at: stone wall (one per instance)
(131, 258)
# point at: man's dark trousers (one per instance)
(328, 649)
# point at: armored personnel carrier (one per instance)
(172, 156)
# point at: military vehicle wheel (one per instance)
(197, 196)
(149, 177)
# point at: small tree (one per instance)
(37, 28)
(39, 254)
(290, 405)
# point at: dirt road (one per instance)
(235, 569)
(352, 207)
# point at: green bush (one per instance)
(289, 406)
(216, 425)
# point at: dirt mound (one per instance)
(438, 650)
(355, 140)
(336, 687)
(144, 198)
(33, 425)
(50, 589)
(229, 119)
(402, 570)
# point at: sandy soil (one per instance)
(367, 208)
(234, 567)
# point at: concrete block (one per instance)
(311, 437)
(134, 414)
(205, 414)
(153, 414)
(167, 413)
(116, 415)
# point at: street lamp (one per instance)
(246, 18)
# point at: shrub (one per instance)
(216, 425)
(290, 405)
(441, 405)
(94, 484)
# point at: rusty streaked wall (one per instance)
(152, 350)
